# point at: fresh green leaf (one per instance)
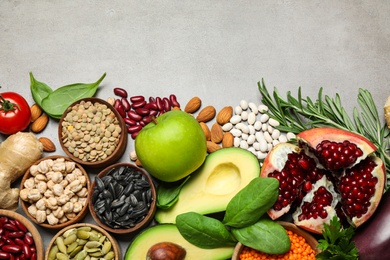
(265, 235)
(337, 243)
(56, 102)
(39, 90)
(249, 204)
(202, 231)
(168, 193)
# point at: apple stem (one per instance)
(154, 119)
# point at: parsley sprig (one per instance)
(337, 242)
(298, 114)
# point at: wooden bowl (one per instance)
(140, 225)
(288, 226)
(80, 215)
(101, 163)
(40, 250)
(115, 245)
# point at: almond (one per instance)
(216, 133)
(48, 145)
(36, 112)
(206, 114)
(40, 124)
(176, 108)
(227, 140)
(224, 115)
(193, 105)
(212, 147)
(206, 130)
(138, 163)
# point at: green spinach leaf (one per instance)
(39, 90)
(204, 232)
(56, 102)
(265, 235)
(249, 204)
(168, 193)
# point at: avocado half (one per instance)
(169, 233)
(210, 188)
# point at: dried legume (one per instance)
(16, 242)
(90, 131)
(122, 198)
(300, 249)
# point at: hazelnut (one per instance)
(166, 251)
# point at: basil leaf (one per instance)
(39, 90)
(249, 204)
(168, 193)
(265, 235)
(202, 231)
(60, 99)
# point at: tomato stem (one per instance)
(6, 105)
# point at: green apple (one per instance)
(172, 146)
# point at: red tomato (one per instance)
(15, 114)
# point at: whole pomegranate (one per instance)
(331, 172)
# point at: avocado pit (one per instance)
(166, 251)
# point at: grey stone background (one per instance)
(217, 50)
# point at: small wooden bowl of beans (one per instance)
(83, 241)
(122, 199)
(20, 239)
(54, 192)
(306, 242)
(92, 133)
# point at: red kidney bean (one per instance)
(16, 234)
(10, 227)
(20, 226)
(125, 104)
(134, 128)
(19, 242)
(136, 99)
(28, 239)
(133, 115)
(1, 231)
(11, 248)
(134, 135)
(120, 92)
(142, 123)
(153, 112)
(152, 106)
(173, 100)
(26, 251)
(147, 119)
(159, 103)
(167, 104)
(7, 240)
(117, 103)
(121, 111)
(4, 255)
(142, 111)
(33, 256)
(130, 121)
(138, 104)
(152, 100)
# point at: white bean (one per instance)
(244, 115)
(236, 141)
(282, 139)
(256, 145)
(236, 132)
(244, 136)
(252, 130)
(245, 129)
(290, 136)
(244, 144)
(227, 127)
(267, 137)
(264, 118)
(263, 108)
(251, 118)
(235, 119)
(264, 127)
(273, 122)
(257, 125)
(275, 142)
(253, 108)
(237, 110)
(244, 104)
(263, 145)
(270, 146)
(270, 129)
(252, 150)
(275, 134)
(251, 139)
(261, 155)
(259, 136)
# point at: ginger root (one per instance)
(386, 110)
(17, 153)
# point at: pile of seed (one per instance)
(254, 130)
(122, 198)
(90, 131)
(81, 243)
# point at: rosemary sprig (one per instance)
(298, 114)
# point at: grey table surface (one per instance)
(217, 50)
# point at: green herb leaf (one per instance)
(59, 100)
(204, 232)
(265, 235)
(39, 90)
(249, 204)
(168, 193)
(337, 242)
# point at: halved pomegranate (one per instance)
(331, 172)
